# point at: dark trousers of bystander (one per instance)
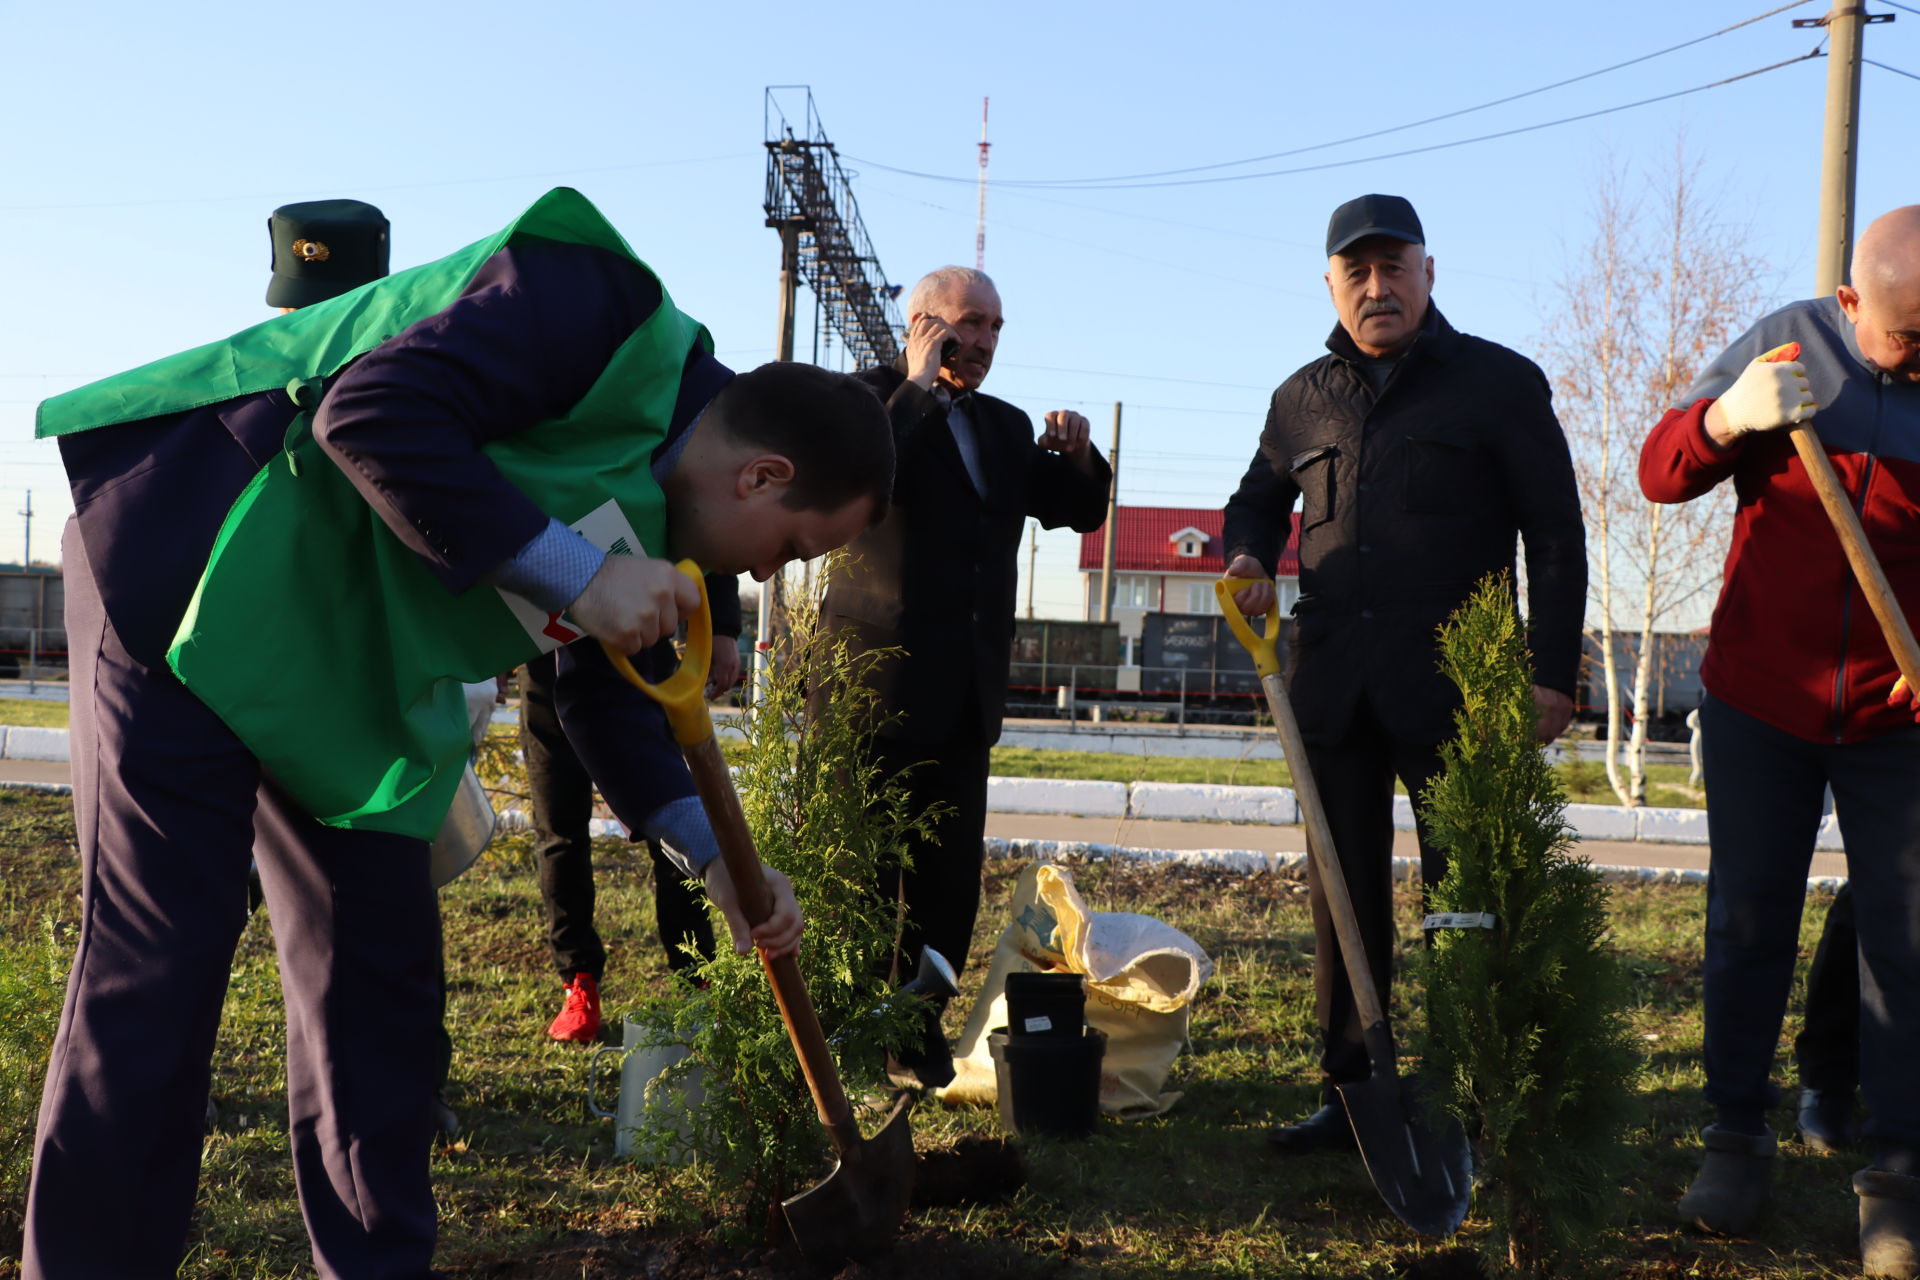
(1765, 788)
(1827, 1051)
(562, 801)
(1355, 777)
(941, 889)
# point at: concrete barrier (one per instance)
(1202, 802)
(1672, 826)
(1602, 822)
(1072, 796)
(24, 743)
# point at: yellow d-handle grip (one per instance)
(1265, 649)
(684, 693)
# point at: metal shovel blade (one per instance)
(1425, 1177)
(856, 1211)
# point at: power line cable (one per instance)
(1411, 151)
(1884, 67)
(392, 186)
(1094, 183)
(1896, 4)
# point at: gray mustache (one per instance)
(1381, 308)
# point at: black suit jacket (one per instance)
(1408, 499)
(938, 576)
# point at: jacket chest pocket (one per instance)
(1313, 471)
(1444, 471)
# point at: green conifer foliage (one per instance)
(1526, 1034)
(817, 812)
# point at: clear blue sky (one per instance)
(144, 145)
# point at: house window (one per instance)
(1135, 591)
(1200, 598)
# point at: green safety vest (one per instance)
(324, 643)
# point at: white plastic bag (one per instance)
(1141, 976)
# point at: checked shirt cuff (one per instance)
(551, 570)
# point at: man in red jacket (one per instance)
(1802, 694)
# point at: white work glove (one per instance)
(1769, 394)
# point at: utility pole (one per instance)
(1113, 509)
(980, 225)
(782, 350)
(1840, 151)
(39, 588)
(1033, 550)
(809, 200)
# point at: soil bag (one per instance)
(1141, 974)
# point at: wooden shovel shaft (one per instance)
(1866, 566)
(722, 802)
(1326, 864)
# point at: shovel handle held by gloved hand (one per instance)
(1853, 539)
(1326, 860)
(683, 696)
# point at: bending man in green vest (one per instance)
(288, 550)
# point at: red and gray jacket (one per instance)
(1793, 641)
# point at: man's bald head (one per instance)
(1883, 300)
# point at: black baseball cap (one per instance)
(323, 248)
(1373, 216)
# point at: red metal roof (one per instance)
(1143, 542)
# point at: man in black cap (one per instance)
(323, 248)
(1420, 453)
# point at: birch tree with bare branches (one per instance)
(1663, 283)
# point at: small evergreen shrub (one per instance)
(817, 811)
(1526, 1030)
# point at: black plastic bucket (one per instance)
(1046, 1004)
(1049, 1084)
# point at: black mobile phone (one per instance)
(948, 348)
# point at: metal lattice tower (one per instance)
(809, 193)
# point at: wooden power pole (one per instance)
(1113, 507)
(1840, 150)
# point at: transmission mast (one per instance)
(809, 200)
(980, 226)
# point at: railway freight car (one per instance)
(33, 612)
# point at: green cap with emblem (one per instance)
(323, 248)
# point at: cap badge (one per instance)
(311, 250)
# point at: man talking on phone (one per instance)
(937, 580)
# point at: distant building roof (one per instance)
(1144, 542)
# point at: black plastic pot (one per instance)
(1049, 1084)
(1046, 1004)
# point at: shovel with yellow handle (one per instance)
(1426, 1177)
(857, 1209)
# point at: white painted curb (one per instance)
(1602, 822)
(18, 742)
(1162, 801)
(1294, 865)
(1195, 802)
(1077, 797)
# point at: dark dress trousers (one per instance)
(167, 800)
(639, 762)
(1409, 497)
(937, 578)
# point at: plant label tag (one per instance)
(1460, 920)
(1041, 1023)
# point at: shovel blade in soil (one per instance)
(857, 1210)
(1423, 1172)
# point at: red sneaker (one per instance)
(580, 1016)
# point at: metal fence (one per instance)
(1173, 695)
